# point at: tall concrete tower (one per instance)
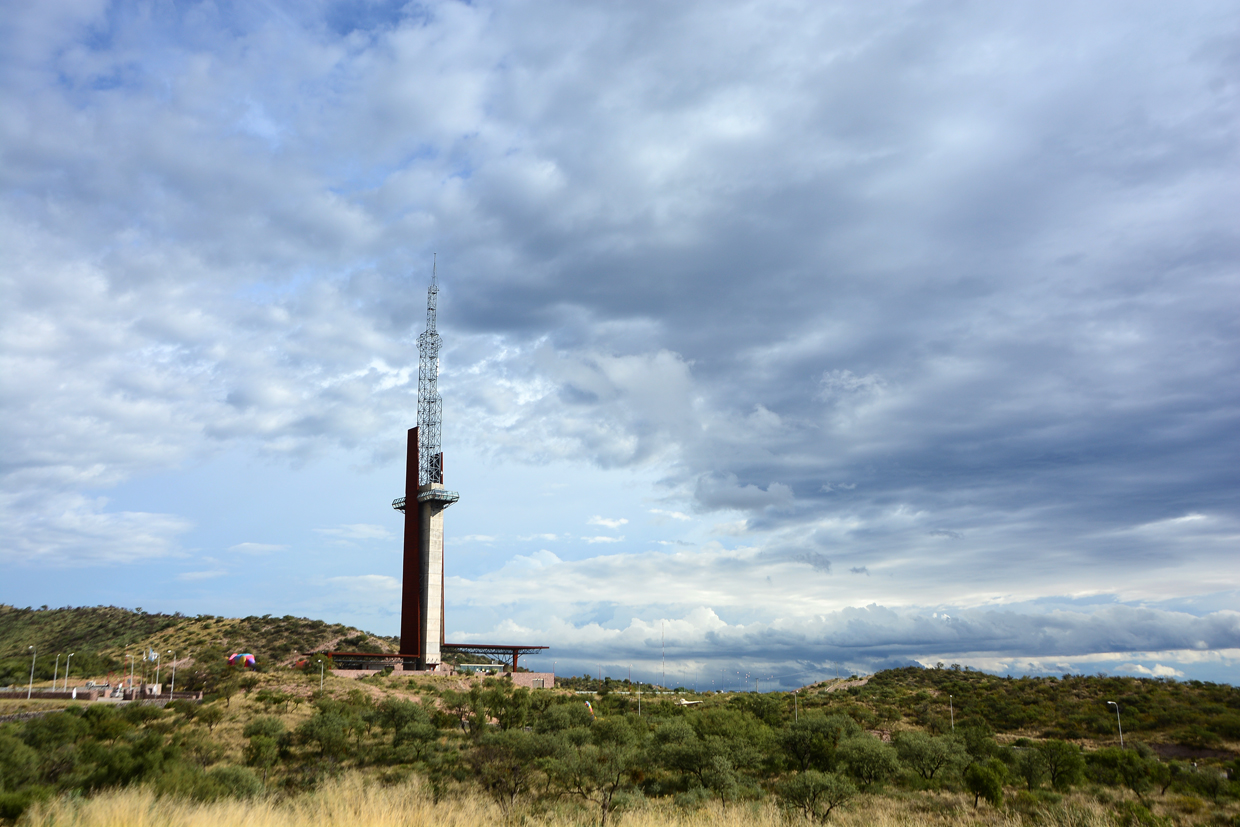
(422, 601)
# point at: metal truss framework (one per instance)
(372, 660)
(430, 403)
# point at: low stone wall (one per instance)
(355, 673)
(52, 695)
(140, 695)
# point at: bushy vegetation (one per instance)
(543, 751)
(1193, 713)
(1024, 748)
(102, 636)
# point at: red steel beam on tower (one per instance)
(411, 576)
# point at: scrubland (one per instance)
(267, 747)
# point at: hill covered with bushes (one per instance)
(909, 746)
(102, 636)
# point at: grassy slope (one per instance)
(101, 636)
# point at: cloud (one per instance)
(256, 548)
(69, 529)
(607, 522)
(593, 540)
(1006, 326)
(357, 531)
(1157, 671)
(715, 492)
(368, 583)
(192, 576)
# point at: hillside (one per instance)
(922, 746)
(101, 636)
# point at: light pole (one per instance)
(68, 661)
(320, 676)
(56, 672)
(131, 658)
(1118, 724)
(951, 707)
(173, 688)
(34, 653)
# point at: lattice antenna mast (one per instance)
(430, 404)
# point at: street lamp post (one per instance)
(34, 653)
(56, 672)
(68, 661)
(951, 707)
(320, 676)
(173, 688)
(1118, 724)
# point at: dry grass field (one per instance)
(354, 801)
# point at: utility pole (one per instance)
(34, 654)
(951, 708)
(1118, 724)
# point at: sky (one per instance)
(780, 339)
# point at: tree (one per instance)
(1031, 766)
(598, 769)
(104, 722)
(417, 736)
(226, 689)
(985, 780)
(211, 714)
(811, 742)
(328, 730)
(927, 754)
(868, 759)
(677, 747)
(19, 763)
(395, 715)
(1123, 768)
(505, 764)
(53, 730)
(815, 793)
(266, 725)
(722, 779)
(262, 753)
(458, 705)
(1064, 764)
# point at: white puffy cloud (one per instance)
(607, 522)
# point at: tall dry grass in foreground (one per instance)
(354, 802)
